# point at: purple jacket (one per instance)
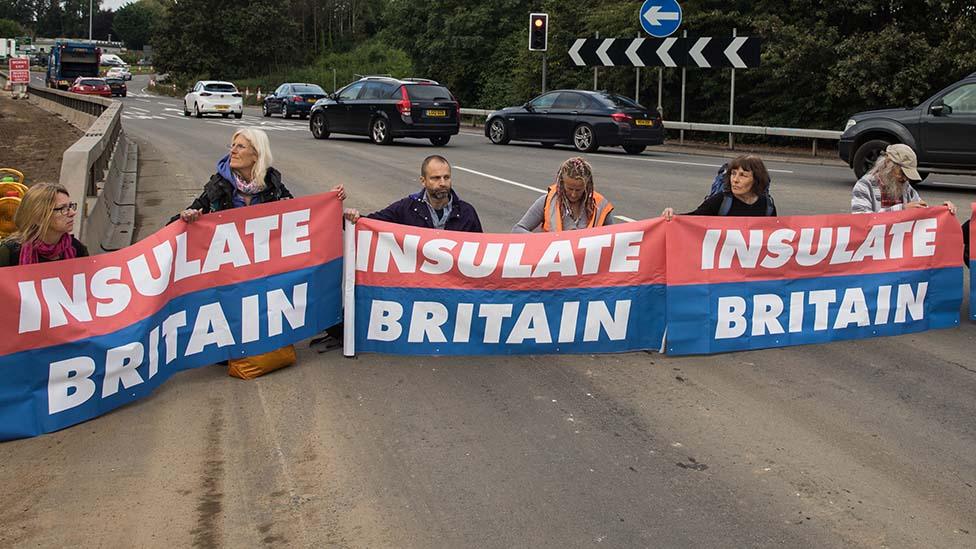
(413, 211)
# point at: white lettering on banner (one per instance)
(774, 249)
(113, 295)
(72, 382)
(427, 320)
(436, 256)
(768, 310)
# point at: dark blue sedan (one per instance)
(293, 99)
(584, 119)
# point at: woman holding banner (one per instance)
(745, 192)
(887, 187)
(570, 204)
(44, 222)
(244, 177)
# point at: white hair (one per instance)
(262, 146)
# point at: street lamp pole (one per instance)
(91, 4)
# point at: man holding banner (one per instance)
(437, 206)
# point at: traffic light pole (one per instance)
(543, 72)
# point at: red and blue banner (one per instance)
(429, 292)
(972, 263)
(754, 283)
(87, 335)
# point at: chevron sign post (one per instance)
(738, 52)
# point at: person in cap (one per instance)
(888, 186)
(570, 203)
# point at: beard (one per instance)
(439, 194)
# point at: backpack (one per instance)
(718, 187)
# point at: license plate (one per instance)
(223, 107)
(311, 100)
(436, 113)
(641, 122)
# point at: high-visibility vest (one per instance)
(552, 219)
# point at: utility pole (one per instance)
(91, 16)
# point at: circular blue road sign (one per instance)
(660, 18)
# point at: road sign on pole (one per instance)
(660, 18)
(740, 52)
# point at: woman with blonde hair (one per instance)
(244, 177)
(571, 202)
(44, 220)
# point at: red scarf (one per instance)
(34, 251)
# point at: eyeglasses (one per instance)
(63, 210)
(237, 147)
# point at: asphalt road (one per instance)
(868, 443)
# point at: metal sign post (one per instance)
(684, 71)
(595, 68)
(732, 103)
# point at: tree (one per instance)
(135, 23)
(10, 29)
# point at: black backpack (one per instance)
(718, 187)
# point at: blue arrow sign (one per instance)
(660, 18)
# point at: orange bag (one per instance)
(253, 366)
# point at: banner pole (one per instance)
(349, 289)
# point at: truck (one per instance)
(69, 60)
(8, 48)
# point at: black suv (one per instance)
(384, 108)
(940, 131)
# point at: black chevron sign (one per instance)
(740, 52)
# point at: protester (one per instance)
(887, 187)
(745, 192)
(436, 206)
(570, 203)
(244, 177)
(44, 222)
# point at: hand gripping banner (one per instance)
(91, 334)
(753, 283)
(429, 292)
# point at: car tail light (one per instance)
(205, 94)
(621, 117)
(403, 105)
(297, 99)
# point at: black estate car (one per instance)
(291, 99)
(940, 130)
(385, 108)
(582, 118)
(117, 86)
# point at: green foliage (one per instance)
(10, 29)
(135, 23)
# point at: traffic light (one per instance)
(538, 31)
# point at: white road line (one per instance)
(624, 218)
(679, 162)
(137, 109)
(510, 182)
(144, 100)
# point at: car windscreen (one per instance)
(618, 101)
(89, 82)
(304, 88)
(427, 92)
(111, 81)
(225, 88)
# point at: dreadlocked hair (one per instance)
(576, 168)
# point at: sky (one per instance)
(114, 4)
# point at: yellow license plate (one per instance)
(436, 113)
(223, 107)
(311, 100)
(640, 122)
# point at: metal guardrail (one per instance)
(721, 128)
(99, 168)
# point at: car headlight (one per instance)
(850, 124)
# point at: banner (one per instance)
(429, 292)
(972, 263)
(91, 334)
(752, 283)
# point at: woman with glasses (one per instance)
(44, 222)
(244, 177)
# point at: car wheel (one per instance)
(634, 149)
(440, 140)
(284, 111)
(196, 111)
(379, 132)
(584, 139)
(238, 115)
(124, 94)
(866, 155)
(265, 110)
(498, 132)
(225, 114)
(304, 115)
(186, 112)
(319, 126)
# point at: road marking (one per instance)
(624, 218)
(144, 100)
(137, 109)
(510, 182)
(679, 162)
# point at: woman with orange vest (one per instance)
(570, 204)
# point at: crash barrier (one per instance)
(101, 168)
(735, 129)
(99, 332)
(96, 333)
